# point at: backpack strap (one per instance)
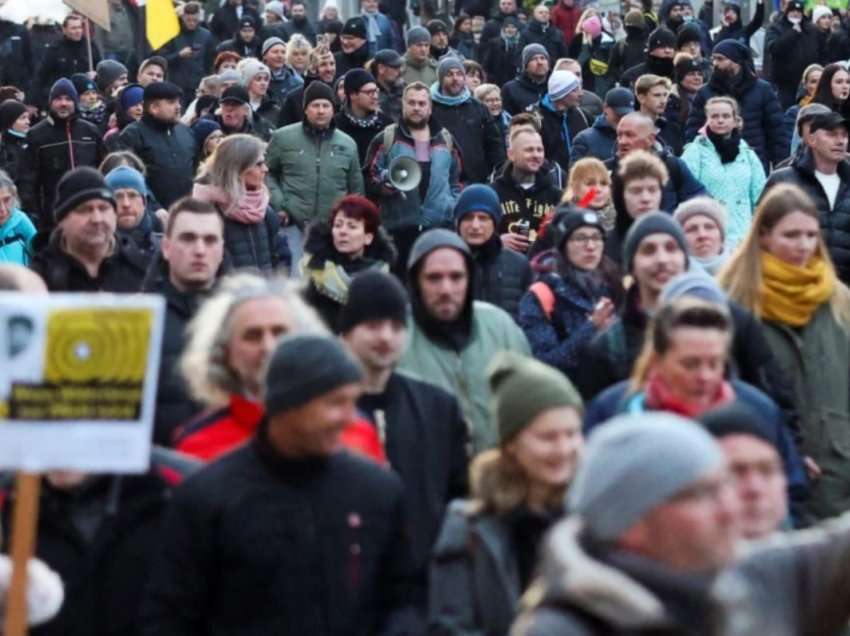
(389, 136)
(12, 238)
(545, 296)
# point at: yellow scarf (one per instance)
(791, 294)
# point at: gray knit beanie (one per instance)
(447, 64)
(651, 223)
(634, 463)
(530, 51)
(418, 35)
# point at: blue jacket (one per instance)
(597, 141)
(385, 39)
(15, 238)
(763, 127)
(617, 399)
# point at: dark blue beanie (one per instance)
(131, 95)
(203, 128)
(63, 86)
(478, 198)
(734, 50)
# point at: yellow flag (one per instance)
(161, 24)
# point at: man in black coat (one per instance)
(661, 47)
(83, 253)
(64, 58)
(541, 31)
(502, 275)
(56, 144)
(822, 170)
(225, 21)
(289, 534)
(791, 44)
(190, 55)
(360, 116)
(189, 263)
(420, 426)
(469, 122)
(527, 89)
(16, 59)
(561, 117)
(354, 46)
(299, 23)
(166, 146)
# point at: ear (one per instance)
(165, 247)
(368, 238)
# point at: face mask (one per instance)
(794, 20)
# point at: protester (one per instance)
(732, 27)
(453, 337)
(791, 44)
(704, 222)
(541, 31)
(419, 425)
(64, 57)
(530, 86)
(16, 229)
(14, 126)
(386, 68)
(311, 388)
(298, 51)
(244, 40)
(593, 44)
(128, 107)
(360, 116)
(299, 23)
(487, 550)
(600, 139)
(658, 59)
(652, 93)
(726, 165)
(462, 39)
(501, 54)
(92, 106)
(589, 187)
(226, 18)
(354, 46)
(263, 109)
(418, 64)
(791, 285)
(191, 54)
(630, 51)
(133, 220)
(833, 89)
(154, 69)
(322, 68)
(491, 97)
(562, 118)
(689, 79)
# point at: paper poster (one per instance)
(78, 379)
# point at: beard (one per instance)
(415, 125)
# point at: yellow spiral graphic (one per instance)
(97, 345)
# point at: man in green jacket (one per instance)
(311, 164)
(453, 338)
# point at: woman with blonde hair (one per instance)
(487, 549)
(589, 187)
(298, 51)
(727, 166)
(782, 273)
(233, 180)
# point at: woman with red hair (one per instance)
(351, 241)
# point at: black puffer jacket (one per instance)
(123, 271)
(547, 35)
(521, 93)
(54, 146)
(329, 273)
(16, 59)
(63, 58)
(253, 245)
(187, 72)
(835, 223)
(791, 51)
(168, 151)
(12, 149)
(502, 276)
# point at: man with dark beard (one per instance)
(661, 47)
(407, 214)
(734, 76)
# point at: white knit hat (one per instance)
(820, 11)
(561, 84)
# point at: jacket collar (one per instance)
(804, 161)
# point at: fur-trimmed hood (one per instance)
(318, 244)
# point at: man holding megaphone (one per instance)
(413, 170)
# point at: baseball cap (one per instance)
(620, 100)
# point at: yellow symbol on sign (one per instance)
(97, 345)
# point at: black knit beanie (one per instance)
(78, 186)
(304, 367)
(737, 418)
(317, 90)
(373, 295)
(10, 110)
(652, 223)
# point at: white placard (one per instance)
(78, 377)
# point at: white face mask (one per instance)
(794, 20)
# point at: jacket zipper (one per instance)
(70, 144)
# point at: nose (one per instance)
(269, 341)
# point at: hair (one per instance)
(233, 156)
(203, 363)
(485, 89)
(192, 8)
(587, 13)
(823, 92)
(357, 207)
(641, 164)
(741, 276)
(191, 206)
(211, 84)
(225, 56)
(729, 101)
(416, 86)
(7, 183)
(645, 83)
(682, 312)
(531, 119)
(70, 17)
(122, 158)
(582, 170)
(318, 53)
(564, 61)
(10, 92)
(471, 67)
(298, 43)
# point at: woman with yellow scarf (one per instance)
(783, 274)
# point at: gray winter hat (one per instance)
(303, 367)
(433, 240)
(418, 35)
(530, 51)
(634, 463)
(447, 64)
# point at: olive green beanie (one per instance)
(521, 388)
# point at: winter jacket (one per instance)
(501, 60)
(787, 585)
(598, 141)
(13, 147)
(54, 146)
(790, 52)
(493, 27)
(594, 58)
(99, 538)
(16, 58)
(390, 100)
(168, 151)
(521, 93)
(547, 35)
(670, 134)
(282, 84)
(566, 19)
(187, 72)
(328, 273)
(481, 146)
(464, 44)
(253, 245)
(816, 360)
(16, 236)
(309, 169)
(502, 276)
(559, 130)
(738, 31)
(347, 61)
(225, 21)
(385, 38)
(256, 544)
(214, 433)
(627, 54)
(834, 223)
(62, 58)
(443, 187)
(763, 129)
(525, 204)
(147, 235)
(425, 72)
(293, 104)
(264, 119)
(559, 339)
(737, 185)
(305, 28)
(122, 271)
(425, 444)
(361, 131)
(236, 44)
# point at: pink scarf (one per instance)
(250, 209)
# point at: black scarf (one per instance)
(727, 146)
(662, 66)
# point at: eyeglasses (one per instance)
(371, 92)
(585, 239)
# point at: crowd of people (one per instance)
(480, 318)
